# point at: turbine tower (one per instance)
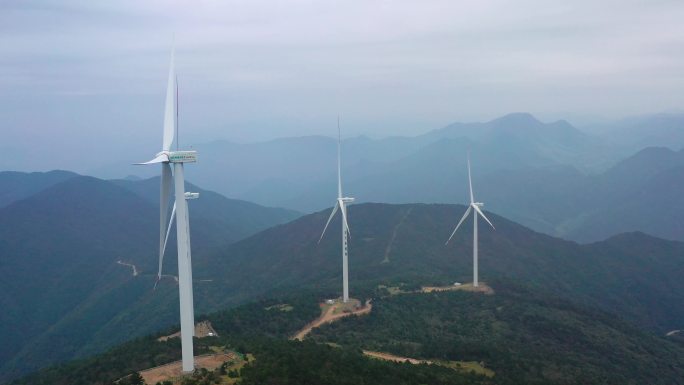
(341, 204)
(475, 206)
(175, 160)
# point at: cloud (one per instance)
(257, 69)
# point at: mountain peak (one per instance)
(647, 162)
(517, 119)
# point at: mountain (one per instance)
(639, 193)
(634, 275)
(514, 142)
(283, 172)
(58, 247)
(67, 254)
(235, 218)
(636, 194)
(521, 134)
(15, 186)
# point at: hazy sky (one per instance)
(82, 83)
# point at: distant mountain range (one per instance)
(551, 177)
(640, 193)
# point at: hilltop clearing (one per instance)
(331, 312)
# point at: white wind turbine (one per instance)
(475, 206)
(341, 204)
(167, 158)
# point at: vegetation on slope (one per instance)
(525, 337)
(634, 275)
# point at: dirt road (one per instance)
(392, 357)
(135, 269)
(394, 235)
(328, 315)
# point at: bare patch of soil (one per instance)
(481, 288)
(202, 329)
(173, 371)
(334, 312)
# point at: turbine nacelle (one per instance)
(478, 204)
(173, 157)
(182, 156)
(346, 200)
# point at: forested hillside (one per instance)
(519, 336)
(71, 251)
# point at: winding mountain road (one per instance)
(135, 269)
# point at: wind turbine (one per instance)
(475, 206)
(174, 160)
(341, 204)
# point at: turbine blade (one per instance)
(459, 224)
(483, 216)
(165, 193)
(339, 159)
(159, 159)
(332, 214)
(343, 208)
(169, 111)
(470, 182)
(166, 240)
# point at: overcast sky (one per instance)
(82, 82)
